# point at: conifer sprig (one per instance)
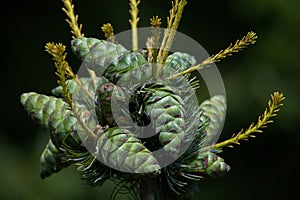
(153, 41)
(134, 22)
(170, 19)
(239, 45)
(108, 31)
(75, 30)
(63, 70)
(271, 111)
(172, 24)
(72, 19)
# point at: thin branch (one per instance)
(75, 28)
(174, 27)
(150, 49)
(273, 107)
(170, 20)
(63, 70)
(77, 80)
(173, 23)
(93, 77)
(72, 19)
(77, 113)
(239, 45)
(134, 22)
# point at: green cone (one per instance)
(52, 160)
(107, 58)
(103, 98)
(52, 114)
(213, 113)
(167, 113)
(96, 51)
(122, 150)
(128, 61)
(179, 61)
(207, 164)
(184, 175)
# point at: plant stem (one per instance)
(239, 45)
(72, 19)
(134, 21)
(271, 111)
(173, 23)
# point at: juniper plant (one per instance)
(71, 126)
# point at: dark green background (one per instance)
(264, 168)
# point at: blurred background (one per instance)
(264, 168)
